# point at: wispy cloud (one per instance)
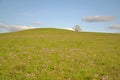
(37, 23)
(98, 18)
(68, 29)
(117, 27)
(14, 27)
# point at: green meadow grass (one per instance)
(55, 54)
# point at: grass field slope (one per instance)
(57, 54)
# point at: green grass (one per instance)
(54, 54)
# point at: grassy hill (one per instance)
(56, 54)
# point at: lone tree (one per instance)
(77, 28)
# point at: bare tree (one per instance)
(77, 28)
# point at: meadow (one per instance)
(56, 54)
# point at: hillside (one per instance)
(56, 54)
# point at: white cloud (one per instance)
(14, 27)
(36, 23)
(117, 26)
(68, 29)
(98, 18)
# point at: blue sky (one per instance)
(91, 15)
